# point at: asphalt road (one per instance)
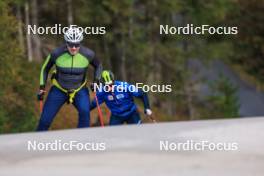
(135, 150)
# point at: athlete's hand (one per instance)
(148, 112)
(41, 94)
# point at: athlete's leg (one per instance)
(134, 118)
(82, 104)
(56, 98)
(115, 120)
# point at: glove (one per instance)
(148, 112)
(41, 94)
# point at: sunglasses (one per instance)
(71, 45)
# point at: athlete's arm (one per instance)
(45, 71)
(139, 93)
(94, 61)
(97, 68)
(144, 97)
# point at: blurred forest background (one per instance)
(134, 50)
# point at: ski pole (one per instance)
(108, 114)
(152, 118)
(40, 99)
(99, 111)
(40, 105)
(149, 117)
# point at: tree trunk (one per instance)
(35, 38)
(154, 65)
(188, 86)
(20, 29)
(189, 95)
(70, 13)
(29, 44)
(123, 58)
(107, 54)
